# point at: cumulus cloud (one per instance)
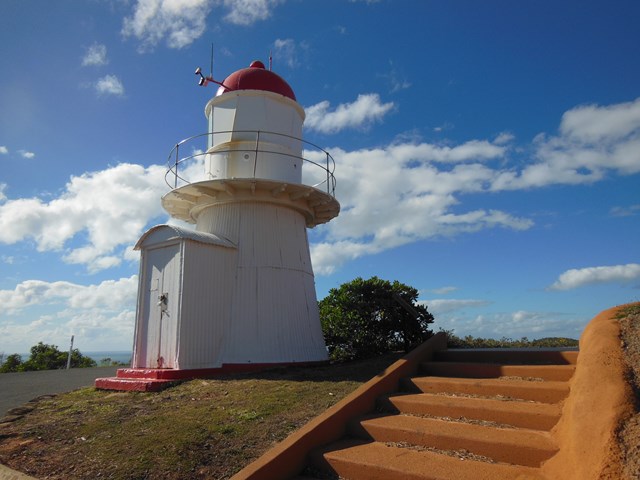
(111, 207)
(110, 295)
(514, 325)
(592, 141)
(398, 194)
(248, 12)
(410, 191)
(26, 154)
(629, 211)
(592, 124)
(101, 315)
(443, 290)
(440, 306)
(391, 195)
(286, 50)
(366, 109)
(580, 277)
(3, 150)
(109, 85)
(96, 55)
(180, 22)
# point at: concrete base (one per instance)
(156, 379)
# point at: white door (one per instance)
(161, 305)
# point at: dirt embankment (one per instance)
(628, 435)
(598, 433)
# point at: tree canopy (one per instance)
(365, 318)
(46, 357)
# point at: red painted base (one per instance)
(156, 379)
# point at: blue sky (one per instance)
(488, 153)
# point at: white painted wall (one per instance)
(237, 116)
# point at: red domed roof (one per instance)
(256, 77)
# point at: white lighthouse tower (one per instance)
(238, 292)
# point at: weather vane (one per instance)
(204, 81)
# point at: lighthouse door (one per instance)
(162, 306)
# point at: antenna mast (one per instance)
(204, 81)
(211, 68)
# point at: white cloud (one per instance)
(366, 109)
(96, 55)
(180, 22)
(398, 194)
(3, 150)
(409, 191)
(390, 196)
(26, 154)
(580, 277)
(443, 127)
(504, 138)
(396, 80)
(248, 12)
(440, 306)
(593, 140)
(110, 85)
(109, 295)
(287, 51)
(513, 325)
(112, 206)
(629, 211)
(443, 290)
(100, 315)
(592, 124)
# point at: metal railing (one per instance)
(178, 165)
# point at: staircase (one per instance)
(469, 414)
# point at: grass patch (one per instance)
(198, 429)
(628, 310)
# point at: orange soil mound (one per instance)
(600, 398)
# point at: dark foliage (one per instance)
(453, 341)
(366, 318)
(46, 357)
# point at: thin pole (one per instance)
(211, 68)
(175, 183)
(69, 357)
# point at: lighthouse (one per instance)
(237, 292)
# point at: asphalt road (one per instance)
(16, 389)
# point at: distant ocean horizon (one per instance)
(120, 356)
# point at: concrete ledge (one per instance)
(289, 457)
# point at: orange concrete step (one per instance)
(560, 373)
(508, 445)
(537, 416)
(546, 392)
(357, 460)
(509, 356)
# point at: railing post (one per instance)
(175, 172)
(327, 172)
